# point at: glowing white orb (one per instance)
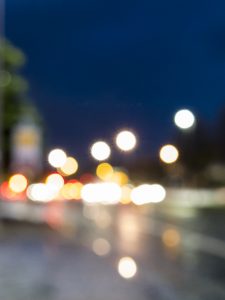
(148, 193)
(169, 154)
(126, 140)
(184, 119)
(55, 181)
(100, 151)
(127, 267)
(57, 158)
(104, 193)
(40, 192)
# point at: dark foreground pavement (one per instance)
(37, 262)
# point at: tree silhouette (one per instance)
(15, 103)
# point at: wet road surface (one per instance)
(176, 258)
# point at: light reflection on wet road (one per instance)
(174, 261)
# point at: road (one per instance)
(177, 258)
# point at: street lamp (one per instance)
(100, 151)
(126, 140)
(168, 154)
(184, 119)
(57, 158)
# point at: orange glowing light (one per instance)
(7, 194)
(120, 177)
(126, 195)
(71, 191)
(171, 238)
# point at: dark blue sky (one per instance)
(95, 66)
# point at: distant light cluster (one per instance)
(108, 186)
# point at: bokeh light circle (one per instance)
(70, 167)
(40, 192)
(18, 183)
(100, 151)
(169, 154)
(127, 267)
(126, 140)
(107, 193)
(57, 158)
(101, 247)
(55, 181)
(104, 171)
(184, 119)
(148, 193)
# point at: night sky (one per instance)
(96, 66)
